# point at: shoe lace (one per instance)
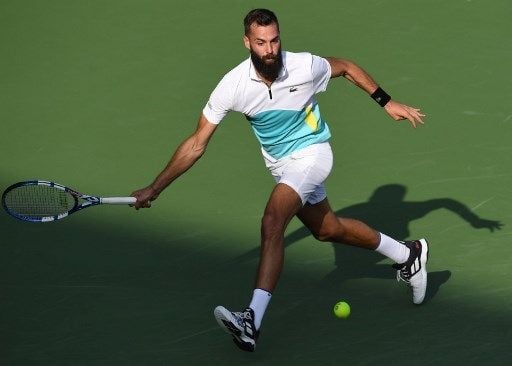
(246, 315)
(403, 272)
(243, 318)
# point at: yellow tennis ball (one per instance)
(342, 310)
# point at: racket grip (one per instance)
(118, 200)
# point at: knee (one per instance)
(329, 233)
(324, 236)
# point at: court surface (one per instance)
(96, 95)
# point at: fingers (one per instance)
(145, 204)
(413, 115)
(144, 198)
(416, 115)
(142, 203)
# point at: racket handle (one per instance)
(118, 200)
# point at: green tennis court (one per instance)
(96, 95)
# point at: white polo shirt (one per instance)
(284, 117)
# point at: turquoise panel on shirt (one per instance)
(281, 132)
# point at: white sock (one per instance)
(393, 249)
(259, 303)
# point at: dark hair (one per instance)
(260, 17)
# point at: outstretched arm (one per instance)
(183, 158)
(360, 78)
(464, 212)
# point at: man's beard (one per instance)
(269, 71)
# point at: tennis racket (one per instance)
(43, 201)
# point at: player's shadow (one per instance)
(387, 212)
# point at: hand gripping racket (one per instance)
(42, 201)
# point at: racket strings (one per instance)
(38, 201)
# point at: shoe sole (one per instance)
(225, 319)
(423, 260)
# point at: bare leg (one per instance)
(326, 226)
(282, 205)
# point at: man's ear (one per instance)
(246, 42)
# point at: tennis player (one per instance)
(275, 90)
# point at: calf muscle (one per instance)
(326, 226)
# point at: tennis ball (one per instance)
(342, 310)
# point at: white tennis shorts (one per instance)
(304, 170)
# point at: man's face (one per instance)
(265, 46)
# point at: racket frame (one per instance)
(88, 200)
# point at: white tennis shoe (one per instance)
(240, 325)
(414, 271)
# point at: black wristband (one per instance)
(381, 97)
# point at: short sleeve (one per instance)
(321, 70)
(220, 102)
